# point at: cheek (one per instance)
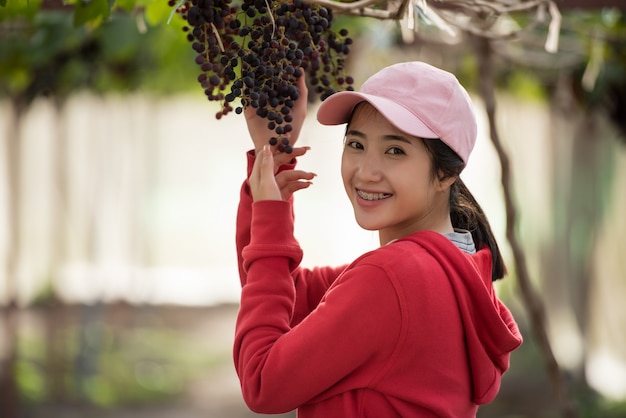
(414, 181)
(345, 168)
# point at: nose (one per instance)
(369, 167)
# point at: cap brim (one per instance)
(337, 109)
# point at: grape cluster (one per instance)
(256, 50)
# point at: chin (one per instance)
(368, 226)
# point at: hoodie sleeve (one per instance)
(310, 284)
(281, 366)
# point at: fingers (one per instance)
(291, 188)
(267, 165)
(299, 151)
(281, 158)
(266, 185)
(304, 91)
(262, 181)
(290, 181)
(255, 175)
(290, 176)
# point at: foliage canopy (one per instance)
(56, 47)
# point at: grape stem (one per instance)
(218, 37)
(269, 12)
(176, 7)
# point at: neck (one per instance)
(444, 226)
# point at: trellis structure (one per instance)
(476, 17)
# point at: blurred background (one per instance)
(118, 280)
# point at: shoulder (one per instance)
(399, 264)
(425, 255)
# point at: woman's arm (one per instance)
(260, 135)
(311, 284)
(282, 366)
(244, 211)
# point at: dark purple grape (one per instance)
(259, 49)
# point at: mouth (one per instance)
(372, 196)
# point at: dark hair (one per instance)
(465, 212)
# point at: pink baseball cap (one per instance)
(419, 99)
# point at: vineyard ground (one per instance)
(215, 393)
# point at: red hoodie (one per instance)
(411, 329)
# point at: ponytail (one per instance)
(465, 212)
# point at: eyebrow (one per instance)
(390, 137)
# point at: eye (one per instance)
(353, 144)
(395, 151)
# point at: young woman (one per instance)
(411, 329)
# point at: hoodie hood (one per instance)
(491, 332)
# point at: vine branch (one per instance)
(532, 301)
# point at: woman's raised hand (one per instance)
(266, 185)
(260, 133)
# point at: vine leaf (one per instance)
(91, 11)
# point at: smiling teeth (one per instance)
(372, 196)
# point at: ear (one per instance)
(442, 183)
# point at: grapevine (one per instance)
(256, 50)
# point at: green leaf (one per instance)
(91, 11)
(157, 12)
(127, 5)
(21, 9)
